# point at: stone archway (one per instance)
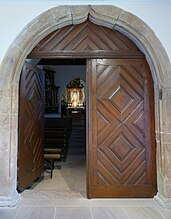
(108, 16)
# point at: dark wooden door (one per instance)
(121, 143)
(31, 126)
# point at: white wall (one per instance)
(15, 14)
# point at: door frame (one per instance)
(111, 17)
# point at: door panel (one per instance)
(121, 129)
(85, 40)
(31, 126)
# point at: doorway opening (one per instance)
(64, 103)
(120, 112)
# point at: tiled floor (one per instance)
(69, 177)
(64, 197)
(62, 205)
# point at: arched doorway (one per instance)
(120, 124)
(111, 17)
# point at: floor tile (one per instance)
(80, 184)
(165, 212)
(109, 213)
(72, 202)
(143, 213)
(34, 198)
(57, 183)
(62, 172)
(7, 213)
(38, 212)
(73, 213)
(99, 202)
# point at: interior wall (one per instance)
(156, 13)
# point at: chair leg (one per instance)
(50, 160)
(52, 166)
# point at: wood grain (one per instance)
(85, 40)
(122, 144)
(31, 126)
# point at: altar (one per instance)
(74, 99)
(77, 115)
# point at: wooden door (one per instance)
(31, 126)
(121, 143)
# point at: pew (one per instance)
(50, 156)
(57, 133)
(59, 123)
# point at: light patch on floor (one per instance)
(69, 176)
(63, 197)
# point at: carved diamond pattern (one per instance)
(103, 123)
(120, 99)
(30, 128)
(120, 125)
(121, 148)
(139, 122)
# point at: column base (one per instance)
(164, 202)
(6, 201)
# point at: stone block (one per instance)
(79, 13)
(8, 102)
(104, 15)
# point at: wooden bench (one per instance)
(50, 155)
(57, 133)
(59, 123)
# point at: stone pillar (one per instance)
(164, 149)
(8, 145)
